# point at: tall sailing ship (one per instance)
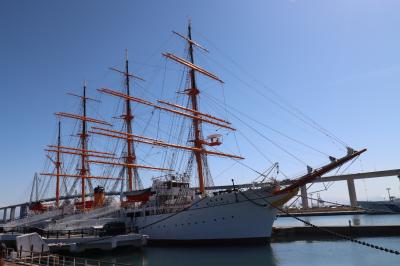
(171, 209)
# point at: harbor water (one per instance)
(319, 253)
(341, 220)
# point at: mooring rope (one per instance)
(320, 228)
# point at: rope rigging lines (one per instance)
(280, 102)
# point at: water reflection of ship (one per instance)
(223, 255)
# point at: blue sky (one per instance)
(337, 61)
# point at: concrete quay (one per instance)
(283, 234)
(322, 212)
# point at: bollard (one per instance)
(31, 254)
(3, 253)
(350, 229)
(235, 190)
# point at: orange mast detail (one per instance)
(127, 74)
(192, 93)
(80, 154)
(156, 142)
(191, 65)
(83, 118)
(79, 96)
(58, 166)
(80, 176)
(132, 165)
(193, 111)
(130, 158)
(138, 100)
(191, 41)
(84, 171)
(77, 149)
(84, 136)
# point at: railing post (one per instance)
(73, 263)
(31, 254)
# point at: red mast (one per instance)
(128, 117)
(130, 159)
(193, 92)
(193, 113)
(58, 165)
(83, 136)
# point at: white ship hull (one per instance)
(225, 218)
